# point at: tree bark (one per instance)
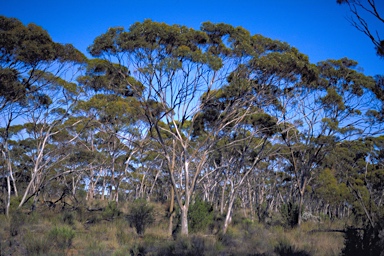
(299, 217)
(8, 197)
(171, 212)
(184, 220)
(228, 215)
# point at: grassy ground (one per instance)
(107, 232)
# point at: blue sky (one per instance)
(318, 28)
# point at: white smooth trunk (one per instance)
(184, 221)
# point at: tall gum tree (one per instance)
(113, 108)
(30, 62)
(170, 62)
(268, 67)
(46, 123)
(327, 112)
(177, 65)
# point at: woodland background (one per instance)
(176, 141)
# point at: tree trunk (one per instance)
(222, 201)
(103, 190)
(23, 200)
(184, 220)
(229, 211)
(171, 212)
(228, 216)
(7, 157)
(250, 198)
(91, 190)
(8, 197)
(301, 201)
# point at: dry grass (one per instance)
(116, 237)
(315, 243)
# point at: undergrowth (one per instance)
(107, 229)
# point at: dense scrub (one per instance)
(98, 229)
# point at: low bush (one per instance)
(36, 244)
(68, 218)
(284, 249)
(61, 237)
(17, 220)
(290, 214)
(111, 211)
(140, 215)
(200, 216)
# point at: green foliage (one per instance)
(290, 214)
(29, 46)
(105, 77)
(61, 237)
(68, 217)
(329, 189)
(18, 219)
(172, 42)
(332, 99)
(36, 244)
(140, 215)
(111, 211)
(191, 246)
(11, 89)
(200, 216)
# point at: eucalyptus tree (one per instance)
(183, 71)
(257, 90)
(236, 165)
(26, 51)
(149, 174)
(333, 109)
(176, 65)
(240, 147)
(43, 128)
(85, 157)
(114, 111)
(30, 64)
(373, 177)
(358, 165)
(9, 143)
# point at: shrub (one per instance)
(18, 219)
(186, 246)
(68, 218)
(290, 214)
(288, 250)
(200, 216)
(61, 237)
(140, 215)
(95, 248)
(111, 211)
(36, 244)
(121, 234)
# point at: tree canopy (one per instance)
(189, 118)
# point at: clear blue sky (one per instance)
(318, 28)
